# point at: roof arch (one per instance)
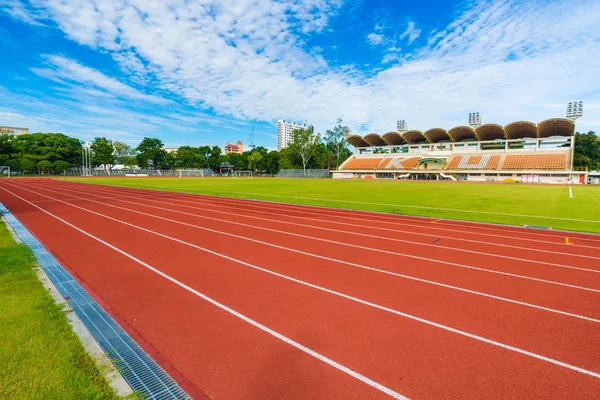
(393, 138)
(521, 130)
(374, 140)
(460, 133)
(490, 132)
(556, 127)
(357, 141)
(435, 135)
(414, 136)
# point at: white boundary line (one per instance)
(570, 192)
(252, 322)
(333, 292)
(336, 260)
(271, 213)
(393, 205)
(120, 197)
(389, 216)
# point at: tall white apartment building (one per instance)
(284, 132)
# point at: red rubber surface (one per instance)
(480, 279)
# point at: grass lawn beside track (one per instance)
(539, 205)
(40, 356)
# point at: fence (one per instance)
(139, 172)
(300, 173)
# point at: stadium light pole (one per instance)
(401, 126)
(86, 158)
(474, 119)
(574, 111)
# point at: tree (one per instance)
(102, 152)
(336, 141)
(254, 160)
(305, 143)
(45, 166)
(121, 152)
(271, 162)
(214, 158)
(130, 161)
(587, 150)
(60, 166)
(47, 146)
(150, 153)
(26, 165)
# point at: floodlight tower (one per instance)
(401, 126)
(86, 159)
(574, 111)
(474, 119)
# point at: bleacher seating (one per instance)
(362, 163)
(535, 161)
(392, 163)
(474, 162)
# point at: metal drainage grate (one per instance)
(142, 373)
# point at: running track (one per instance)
(247, 299)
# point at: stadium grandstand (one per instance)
(520, 151)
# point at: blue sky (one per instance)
(203, 72)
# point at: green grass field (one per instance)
(40, 356)
(516, 204)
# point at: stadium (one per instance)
(520, 151)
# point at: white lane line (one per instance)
(570, 192)
(330, 210)
(392, 205)
(412, 233)
(340, 261)
(333, 292)
(254, 323)
(92, 194)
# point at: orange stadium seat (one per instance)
(474, 162)
(404, 162)
(363, 163)
(535, 161)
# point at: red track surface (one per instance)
(379, 304)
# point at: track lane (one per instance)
(449, 304)
(591, 238)
(556, 237)
(473, 375)
(224, 356)
(576, 254)
(586, 277)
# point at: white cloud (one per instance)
(411, 32)
(374, 38)
(504, 58)
(65, 70)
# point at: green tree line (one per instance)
(56, 152)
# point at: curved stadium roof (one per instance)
(393, 139)
(460, 133)
(374, 140)
(413, 137)
(515, 130)
(435, 135)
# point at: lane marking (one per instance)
(271, 213)
(395, 223)
(394, 205)
(231, 311)
(331, 259)
(437, 220)
(388, 216)
(113, 197)
(355, 299)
